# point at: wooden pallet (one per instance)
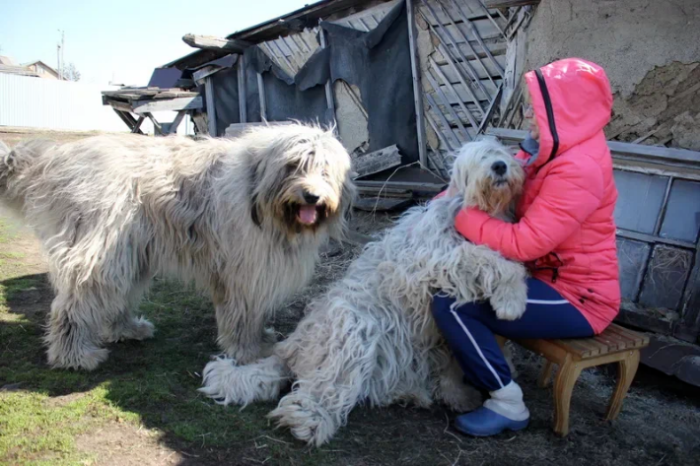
(615, 345)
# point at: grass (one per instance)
(144, 385)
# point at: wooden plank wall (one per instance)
(464, 72)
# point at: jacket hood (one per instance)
(572, 102)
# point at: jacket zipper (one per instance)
(550, 113)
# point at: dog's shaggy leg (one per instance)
(452, 390)
(72, 335)
(126, 327)
(306, 417)
(335, 362)
(260, 381)
(241, 332)
(134, 328)
(509, 299)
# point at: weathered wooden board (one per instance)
(215, 43)
(182, 103)
(508, 3)
(380, 204)
(236, 129)
(377, 161)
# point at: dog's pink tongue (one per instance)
(307, 214)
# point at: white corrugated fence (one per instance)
(63, 105)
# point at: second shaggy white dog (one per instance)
(371, 336)
(243, 218)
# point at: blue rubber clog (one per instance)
(483, 422)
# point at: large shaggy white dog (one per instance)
(371, 336)
(244, 219)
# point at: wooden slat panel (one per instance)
(453, 78)
(509, 3)
(496, 48)
(487, 30)
(470, 7)
(463, 96)
(463, 118)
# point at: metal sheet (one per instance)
(665, 279)
(639, 201)
(682, 219)
(632, 256)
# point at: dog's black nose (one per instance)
(499, 167)
(310, 198)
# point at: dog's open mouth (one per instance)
(310, 214)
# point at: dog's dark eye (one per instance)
(292, 167)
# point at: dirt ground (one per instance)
(142, 405)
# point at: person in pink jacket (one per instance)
(565, 233)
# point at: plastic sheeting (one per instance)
(378, 62)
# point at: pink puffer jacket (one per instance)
(566, 230)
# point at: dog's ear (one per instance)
(255, 210)
(347, 199)
(458, 180)
(255, 207)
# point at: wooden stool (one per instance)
(615, 344)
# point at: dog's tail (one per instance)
(5, 166)
(13, 162)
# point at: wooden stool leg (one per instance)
(501, 341)
(563, 387)
(626, 370)
(546, 374)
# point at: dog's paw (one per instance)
(87, 358)
(306, 418)
(509, 310)
(228, 383)
(457, 395)
(510, 302)
(140, 329)
(218, 382)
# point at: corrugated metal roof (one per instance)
(18, 70)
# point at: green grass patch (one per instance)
(152, 384)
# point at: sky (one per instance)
(123, 41)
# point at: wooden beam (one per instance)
(215, 43)
(242, 108)
(137, 126)
(116, 104)
(508, 3)
(261, 96)
(377, 161)
(202, 73)
(489, 112)
(128, 120)
(640, 152)
(409, 185)
(211, 109)
(172, 127)
(182, 103)
(380, 204)
(200, 123)
(328, 86)
(157, 129)
(417, 86)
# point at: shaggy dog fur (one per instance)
(371, 336)
(244, 219)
